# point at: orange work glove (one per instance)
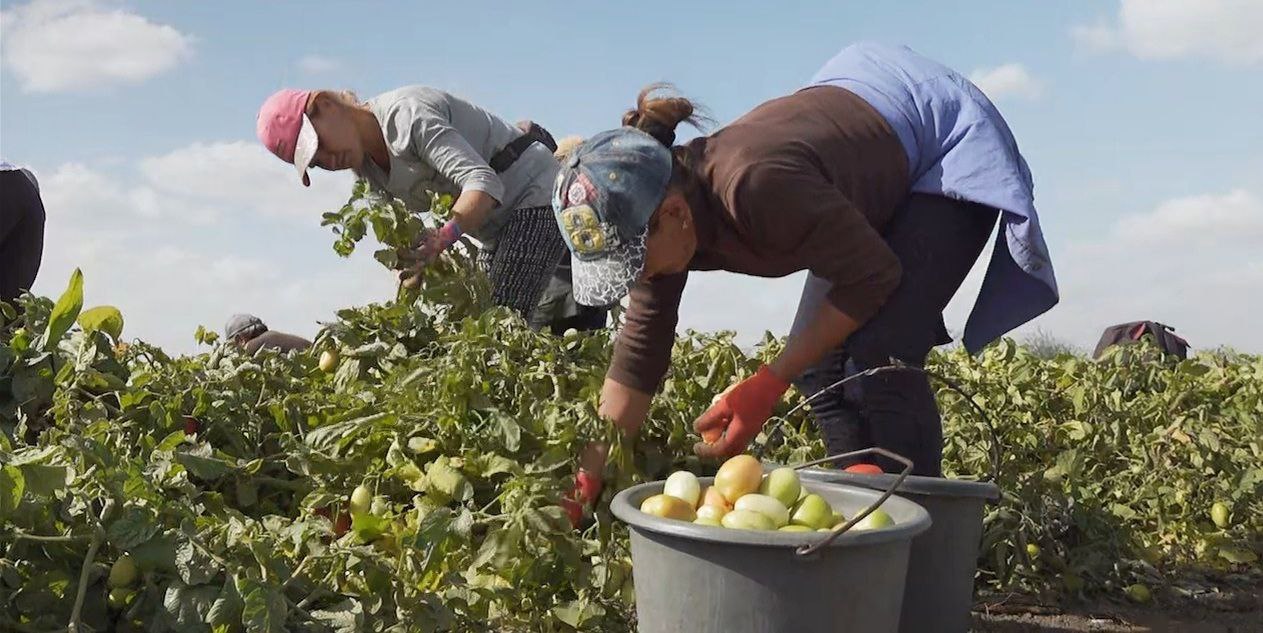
(731, 423)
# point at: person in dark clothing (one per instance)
(883, 178)
(251, 334)
(21, 230)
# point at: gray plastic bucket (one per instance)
(940, 583)
(699, 579)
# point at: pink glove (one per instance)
(432, 244)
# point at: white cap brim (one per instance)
(305, 147)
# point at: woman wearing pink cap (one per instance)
(415, 141)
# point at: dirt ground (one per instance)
(1237, 612)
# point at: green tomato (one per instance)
(795, 528)
(119, 597)
(361, 500)
(1219, 514)
(770, 507)
(328, 360)
(1139, 593)
(122, 572)
(701, 520)
(747, 520)
(876, 520)
(782, 484)
(812, 512)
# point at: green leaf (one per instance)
(343, 433)
(511, 432)
(156, 554)
(499, 549)
(12, 483)
(64, 312)
(368, 527)
(226, 611)
(1122, 511)
(422, 445)
(33, 384)
(133, 527)
(443, 479)
(1079, 396)
(490, 464)
(195, 568)
(263, 608)
(577, 613)
(201, 465)
(204, 336)
(247, 493)
(106, 319)
(44, 480)
(432, 535)
(189, 606)
(1238, 555)
(346, 616)
(1077, 430)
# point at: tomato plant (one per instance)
(463, 424)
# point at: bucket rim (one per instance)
(627, 512)
(914, 484)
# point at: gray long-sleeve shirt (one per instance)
(441, 143)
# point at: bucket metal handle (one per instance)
(808, 550)
(895, 365)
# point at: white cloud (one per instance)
(319, 65)
(1207, 220)
(1221, 30)
(241, 176)
(79, 45)
(1009, 80)
(169, 273)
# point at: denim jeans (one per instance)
(937, 240)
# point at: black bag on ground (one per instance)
(1124, 333)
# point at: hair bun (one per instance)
(659, 115)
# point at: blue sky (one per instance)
(1140, 122)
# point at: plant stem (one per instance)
(73, 627)
(319, 593)
(68, 538)
(294, 574)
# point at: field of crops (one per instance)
(141, 491)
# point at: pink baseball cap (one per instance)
(285, 130)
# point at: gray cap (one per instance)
(244, 325)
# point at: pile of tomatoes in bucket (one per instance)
(744, 498)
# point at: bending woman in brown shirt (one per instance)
(818, 180)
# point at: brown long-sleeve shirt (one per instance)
(804, 182)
